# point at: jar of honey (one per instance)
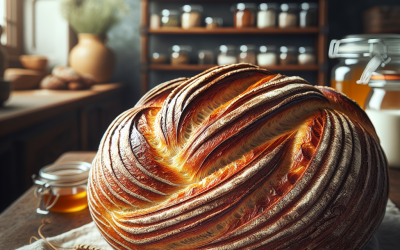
(360, 56)
(62, 187)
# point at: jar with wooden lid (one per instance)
(266, 16)
(355, 52)
(306, 56)
(170, 18)
(288, 55)
(244, 15)
(288, 17)
(308, 15)
(383, 108)
(213, 22)
(62, 187)
(180, 54)
(227, 55)
(247, 54)
(191, 16)
(267, 55)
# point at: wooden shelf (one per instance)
(319, 33)
(232, 31)
(195, 67)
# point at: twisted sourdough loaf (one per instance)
(239, 158)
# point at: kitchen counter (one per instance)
(20, 221)
(28, 107)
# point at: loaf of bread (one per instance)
(239, 158)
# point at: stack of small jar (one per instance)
(266, 15)
(265, 55)
(190, 16)
(291, 15)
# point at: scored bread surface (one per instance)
(239, 158)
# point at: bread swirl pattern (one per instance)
(239, 158)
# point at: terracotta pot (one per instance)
(91, 56)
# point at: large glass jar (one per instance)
(355, 52)
(383, 108)
(180, 54)
(170, 18)
(62, 187)
(227, 55)
(191, 16)
(247, 54)
(244, 15)
(266, 16)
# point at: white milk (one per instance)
(387, 126)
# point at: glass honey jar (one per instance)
(62, 187)
(360, 56)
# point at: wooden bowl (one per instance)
(24, 78)
(5, 89)
(34, 62)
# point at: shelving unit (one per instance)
(320, 33)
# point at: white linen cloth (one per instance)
(387, 237)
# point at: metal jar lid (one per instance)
(65, 174)
(366, 45)
(379, 47)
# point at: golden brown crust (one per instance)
(239, 158)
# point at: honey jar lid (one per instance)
(65, 174)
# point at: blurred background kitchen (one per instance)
(118, 50)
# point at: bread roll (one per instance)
(239, 158)
(66, 74)
(53, 82)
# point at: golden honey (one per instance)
(349, 86)
(62, 187)
(71, 199)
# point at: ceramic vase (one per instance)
(91, 56)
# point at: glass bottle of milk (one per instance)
(383, 108)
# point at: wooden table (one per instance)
(20, 221)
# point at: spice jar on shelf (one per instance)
(191, 16)
(288, 55)
(180, 54)
(155, 21)
(266, 16)
(227, 55)
(205, 57)
(244, 15)
(288, 16)
(247, 54)
(170, 18)
(306, 56)
(308, 15)
(267, 55)
(158, 58)
(213, 22)
(62, 187)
